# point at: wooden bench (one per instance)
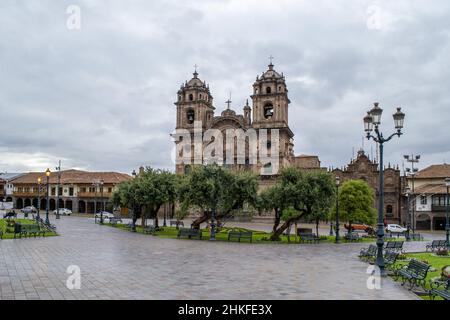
(176, 223)
(352, 237)
(189, 233)
(150, 229)
(114, 221)
(414, 273)
(308, 238)
(390, 258)
(368, 253)
(416, 237)
(436, 244)
(396, 246)
(28, 230)
(240, 235)
(440, 289)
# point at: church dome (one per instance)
(228, 113)
(195, 82)
(271, 73)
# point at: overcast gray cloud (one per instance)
(101, 98)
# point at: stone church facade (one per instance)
(366, 169)
(269, 112)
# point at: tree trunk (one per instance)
(276, 235)
(143, 220)
(197, 222)
(277, 220)
(317, 227)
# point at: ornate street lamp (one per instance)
(372, 122)
(411, 172)
(338, 182)
(447, 222)
(103, 202)
(408, 215)
(38, 217)
(133, 225)
(58, 168)
(47, 174)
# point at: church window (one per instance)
(267, 170)
(389, 209)
(269, 144)
(190, 115)
(187, 169)
(279, 88)
(423, 200)
(191, 97)
(268, 111)
(200, 95)
(268, 90)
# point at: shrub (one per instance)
(442, 252)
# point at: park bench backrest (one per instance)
(398, 245)
(390, 245)
(390, 257)
(419, 268)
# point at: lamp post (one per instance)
(38, 217)
(408, 215)
(165, 213)
(47, 174)
(338, 182)
(412, 173)
(103, 202)
(371, 120)
(58, 168)
(447, 209)
(94, 185)
(133, 225)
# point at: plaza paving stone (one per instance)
(122, 265)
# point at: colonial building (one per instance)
(428, 190)
(366, 169)
(6, 188)
(79, 191)
(268, 112)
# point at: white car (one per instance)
(105, 214)
(63, 212)
(29, 210)
(395, 228)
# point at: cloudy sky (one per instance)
(101, 97)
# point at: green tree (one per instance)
(146, 193)
(211, 187)
(306, 192)
(126, 196)
(356, 200)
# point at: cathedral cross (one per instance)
(228, 102)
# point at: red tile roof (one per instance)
(435, 171)
(74, 177)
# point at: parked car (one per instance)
(28, 210)
(63, 212)
(105, 214)
(10, 214)
(395, 228)
(361, 227)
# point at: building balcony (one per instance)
(436, 208)
(93, 195)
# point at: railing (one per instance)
(438, 208)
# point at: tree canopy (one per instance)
(356, 200)
(307, 192)
(211, 187)
(146, 193)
